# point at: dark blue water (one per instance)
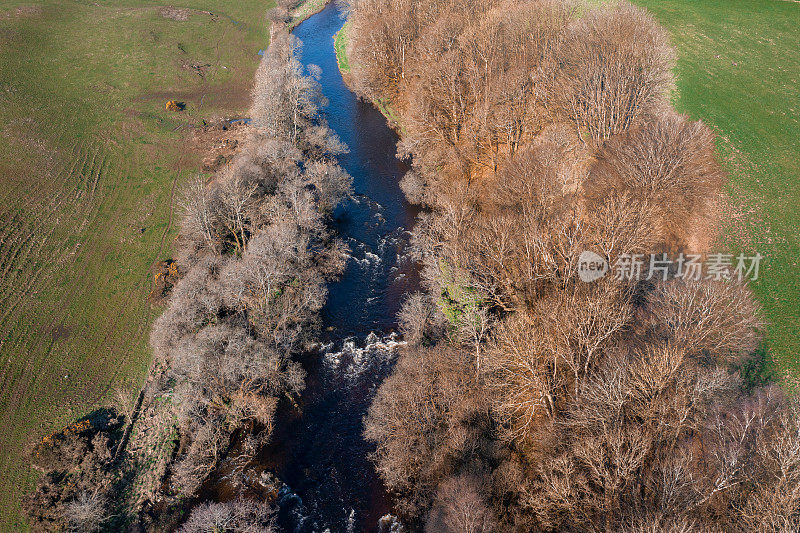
(321, 455)
(374, 223)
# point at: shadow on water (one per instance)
(321, 454)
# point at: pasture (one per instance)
(90, 161)
(739, 71)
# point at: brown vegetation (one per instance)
(253, 257)
(669, 163)
(614, 68)
(528, 400)
(80, 486)
(235, 516)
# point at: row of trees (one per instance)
(254, 255)
(528, 399)
(474, 81)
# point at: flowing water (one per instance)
(321, 455)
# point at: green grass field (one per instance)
(340, 41)
(739, 71)
(89, 161)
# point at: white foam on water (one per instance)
(289, 499)
(353, 361)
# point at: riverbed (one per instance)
(321, 456)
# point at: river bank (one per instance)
(317, 450)
(321, 454)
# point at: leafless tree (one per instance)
(331, 183)
(198, 208)
(460, 507)
(87, 512)
(413, 187)
(668, 162)
(718, 320)
(604, 406)
(419, 320)
(615, 68)
(421, 424)
(238, 516)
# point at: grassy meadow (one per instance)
(739, 71)
(89, 163)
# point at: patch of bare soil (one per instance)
(217, 143)
(60, 332)
(175, 13)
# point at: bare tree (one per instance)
(460, 507)
(604, 406)
(422, 426)
(198, 207)
(474, 326)
(235, 199)
(670, 163)
(718, 320)
(419, 321)
(331, 182)
(413, 187)
(615, 68)
(86, 513)
(238, 516)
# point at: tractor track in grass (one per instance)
(74, 206)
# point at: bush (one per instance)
(80, 486)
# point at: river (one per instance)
(321, 455)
